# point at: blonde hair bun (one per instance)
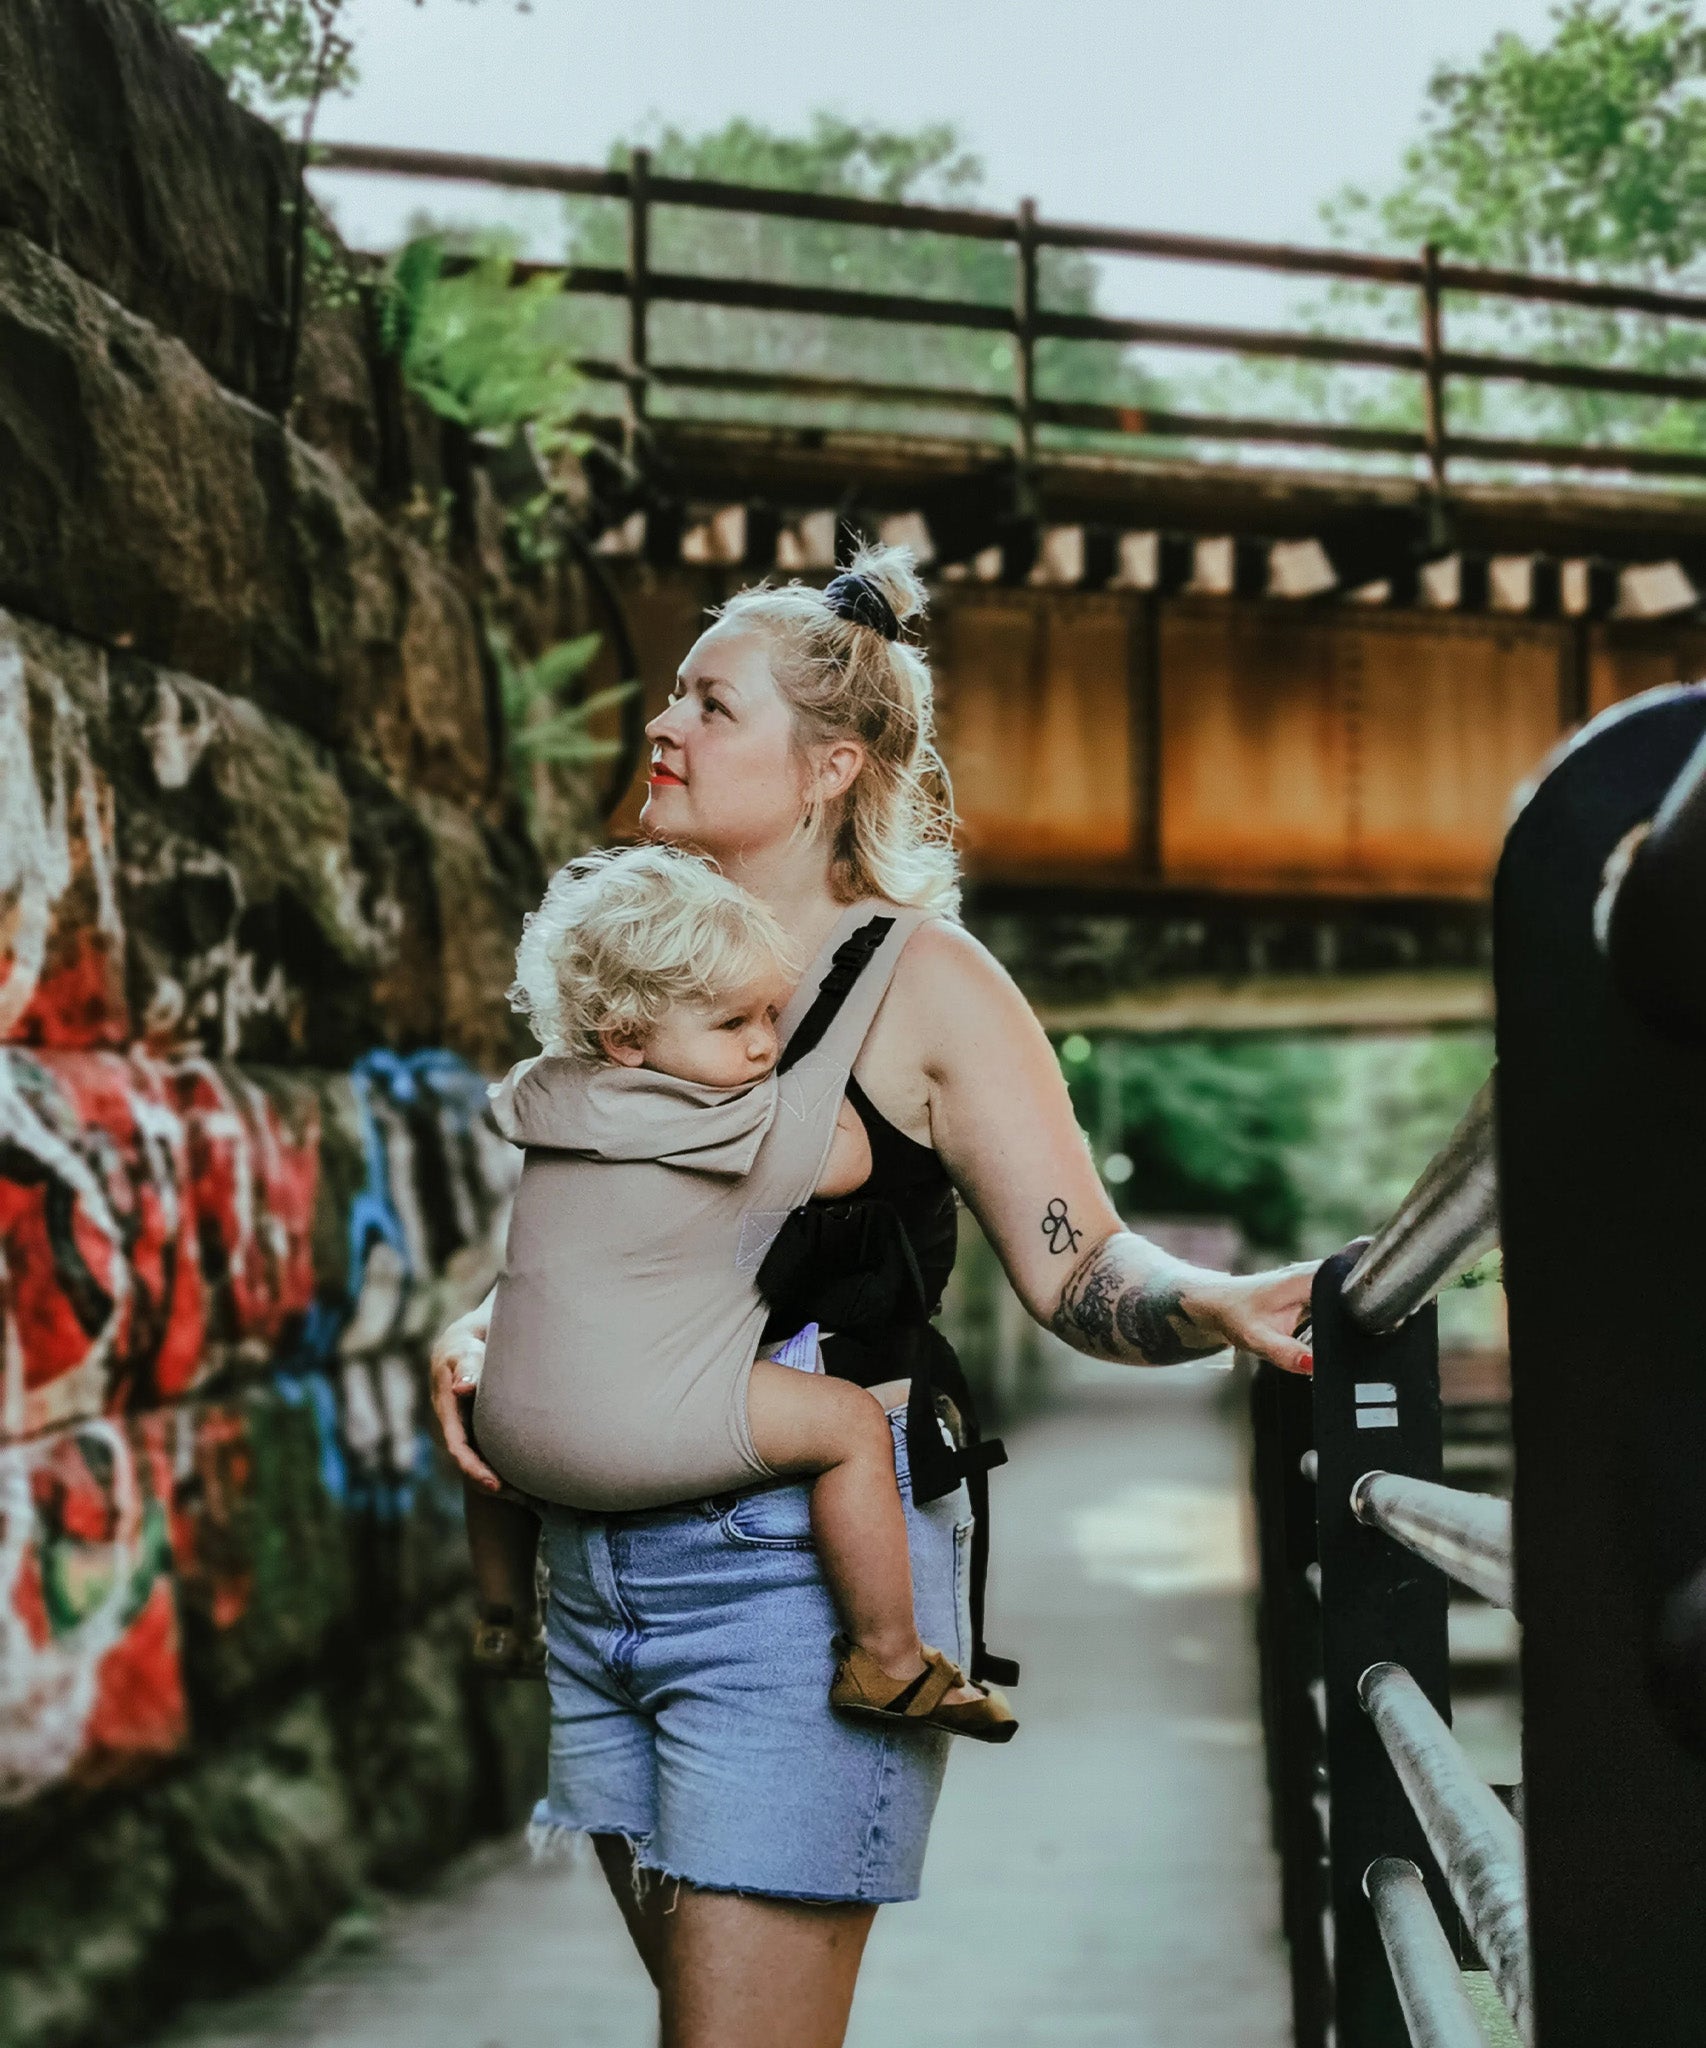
(893, 573)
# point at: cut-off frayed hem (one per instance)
(679, 1878)
(560, 1841)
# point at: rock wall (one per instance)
(259, 891)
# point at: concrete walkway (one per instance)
(1106, 1880)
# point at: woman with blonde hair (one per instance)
(691, 1737)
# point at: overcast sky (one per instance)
(1230, 116)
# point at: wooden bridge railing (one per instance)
(1400, 1864)
(1028, 408)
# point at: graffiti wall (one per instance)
(214, 1291)
(260, 885)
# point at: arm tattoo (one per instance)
(1110, 1314)
(1058, 1228)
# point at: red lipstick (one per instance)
(662, 778)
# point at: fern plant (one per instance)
(552, 747)
(482, 350)
(564, 737)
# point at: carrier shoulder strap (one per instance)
(851, 959)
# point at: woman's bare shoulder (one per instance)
(956, 993)
(952, 1016)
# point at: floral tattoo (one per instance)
(1107, 1313)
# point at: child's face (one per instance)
(721, 1045)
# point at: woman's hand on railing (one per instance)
(456, 1361)
(1257, 1312)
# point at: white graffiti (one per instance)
(83, 1387)
(36, 852)
(48, 1689)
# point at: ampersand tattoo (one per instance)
(1057, 1228)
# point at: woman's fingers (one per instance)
(1278, 1311)
(1287, 1354)
(448, 1402)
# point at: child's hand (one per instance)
(456, 1361)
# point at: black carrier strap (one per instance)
(851, 959)
(937, 1466)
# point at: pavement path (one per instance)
(1105, 1880)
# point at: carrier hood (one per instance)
(599, 1111)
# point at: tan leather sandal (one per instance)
(863, 1687)
(506, 1648)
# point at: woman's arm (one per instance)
(1002, 1122)
(456, 1361)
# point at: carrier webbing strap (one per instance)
(851, 959)
(937, 1468)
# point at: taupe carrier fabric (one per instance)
(627, 1317)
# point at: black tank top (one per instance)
(835, 1262)
(914, 1182)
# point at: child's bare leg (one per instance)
(804, 1423)
(503, 1539)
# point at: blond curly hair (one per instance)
(892, 831)
(624, 935)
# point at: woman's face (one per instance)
(726, 776)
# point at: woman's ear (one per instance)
(838, 766)
(623, 1047)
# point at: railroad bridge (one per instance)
(1235, 708)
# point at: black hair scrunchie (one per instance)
(853, 597)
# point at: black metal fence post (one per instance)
(1376, 1407)
(639, 294)
(1025, 353)
(1288, 1643)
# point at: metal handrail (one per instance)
(1445, 1223)
(1475, 1840)
(1436, 2007)
(1467, 1535)
(642, 189)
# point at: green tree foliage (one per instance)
(1305, 1142)
(1584, 153)
(277, 56)
(929, 164)
(1387, 1106)
(1211, 1126)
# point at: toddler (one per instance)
(666, 1139)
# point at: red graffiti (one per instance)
(254, 1174)
(79, 1001)
(104, 1283)
(88, 1616)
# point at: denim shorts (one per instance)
(689, 1670)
